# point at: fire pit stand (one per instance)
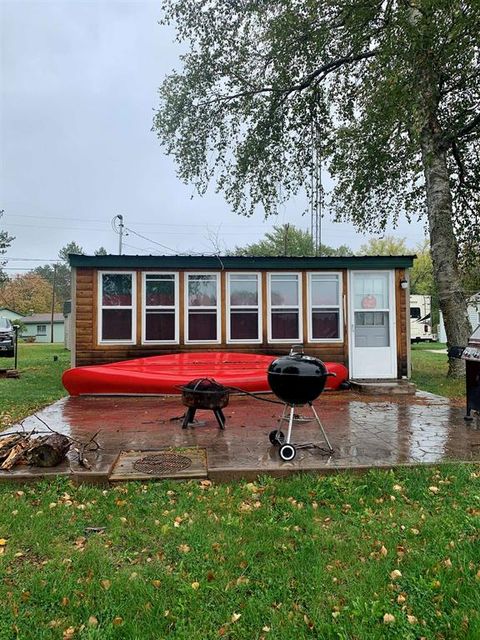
(204, 393)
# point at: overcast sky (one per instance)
(79, 85)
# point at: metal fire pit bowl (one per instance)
(205, 393)
(162, 463)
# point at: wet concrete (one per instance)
(364, 432)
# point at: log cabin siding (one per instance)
(88, 350)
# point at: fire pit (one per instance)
(204, 393)
(297, 380)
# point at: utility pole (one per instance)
(285, 239)
(120, 234)
(53, 301)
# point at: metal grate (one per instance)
(162, 463)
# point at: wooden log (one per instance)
(16, 453)
(7, 443)
(48, 451)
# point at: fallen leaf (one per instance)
(92, 621)
(68, 633)
(401, 598)
(412, 619)
(266, 629)
(388, 618)
(235, 617)
(447, 563)
(3, 542)
(184, 548)
(395, 574)
(434, 489)
(117, 621)
(195, 585)
(156, 583)
(383, 551)
(106, 584)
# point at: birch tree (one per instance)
(385, 92)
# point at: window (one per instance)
(116, 317)
(371, 304)
(284, 307)
(415, 313)
(202, 301)
(41, 329)
(325, 296)
(160, 300)
(244, 303)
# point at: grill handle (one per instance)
(297, 350)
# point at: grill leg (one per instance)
(220, 417)
(290, 423)
(325, 437)
(189, 417)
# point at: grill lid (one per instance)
(475, 337)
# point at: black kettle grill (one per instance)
(297, 379)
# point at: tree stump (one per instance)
(48, 451)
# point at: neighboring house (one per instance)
(10, 314)
(352, 310)
(473, 310)
(39, 326)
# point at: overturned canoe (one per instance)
(164, 374)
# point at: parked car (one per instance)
(7, 338)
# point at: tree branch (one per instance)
(468, 128)
(325, 69)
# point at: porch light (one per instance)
(404, 283)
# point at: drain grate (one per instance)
(161, 463)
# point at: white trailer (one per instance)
(421, 319)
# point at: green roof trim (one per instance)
(239, 262)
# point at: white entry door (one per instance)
(372, 325)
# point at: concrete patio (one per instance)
(366, 432)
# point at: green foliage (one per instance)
(298, 558)
(429, 371)
(40, 381)
(288, 240)
(62, 273)
(265, 86)
(386, 246)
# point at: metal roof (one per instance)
(239, 262)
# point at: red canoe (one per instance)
(163, 374)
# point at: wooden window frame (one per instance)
(258, 307)
(132, 307)
(270, 307)
(311, 307)
(145, 307)
(218, 308)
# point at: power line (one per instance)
(150, 240)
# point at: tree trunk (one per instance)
(48, 451)
(444, 245)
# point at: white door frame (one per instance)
(392, 324)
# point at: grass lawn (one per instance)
(429, 371)
(382, 555)
(39, 384)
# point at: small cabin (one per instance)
(351, 310)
